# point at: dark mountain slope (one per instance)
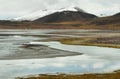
(66, 16)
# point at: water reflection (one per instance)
(73, 64)
(93, 60)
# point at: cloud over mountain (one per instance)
(15, 8)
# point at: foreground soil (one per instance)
(115, 75)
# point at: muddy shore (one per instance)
(36, 52)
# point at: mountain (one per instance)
(41, 13)
(51, 14)
(117, 15)
(66, 16)
(110, 20)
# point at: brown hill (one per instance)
(110, 20)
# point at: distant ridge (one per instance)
(110, 20)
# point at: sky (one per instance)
(15, 8)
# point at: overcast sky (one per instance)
(16, 8)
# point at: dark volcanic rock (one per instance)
(118, 14)
(66, 16)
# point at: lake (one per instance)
(93, 59)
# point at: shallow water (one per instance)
(94, 59)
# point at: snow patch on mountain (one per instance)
(41, 13)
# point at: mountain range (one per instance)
(64, 18)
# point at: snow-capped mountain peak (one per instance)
(41, 13)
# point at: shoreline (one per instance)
(111, 75)
(89, 41)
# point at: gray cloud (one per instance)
(15, 8)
